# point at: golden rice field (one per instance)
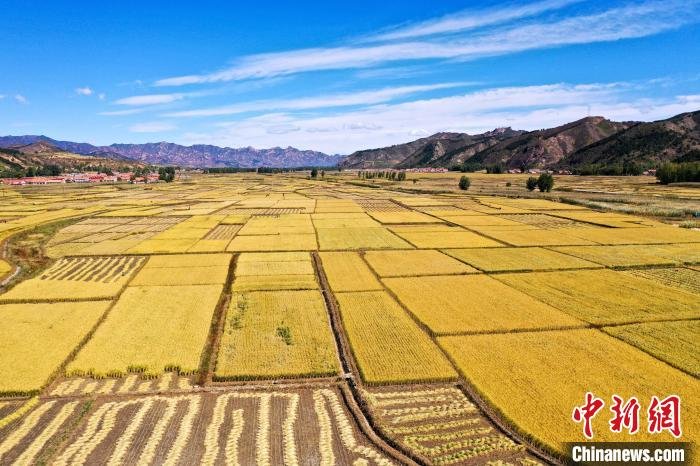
(591, 360)
(275, 319)
(606, 296)
(518, 259)
(151, 329)
(35, 339)
(276, 334)
(388, 345)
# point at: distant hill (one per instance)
(545, 148)
(40, 154)
(676, 138)
(588, 141)
(165, 153)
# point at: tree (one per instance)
(401, 176)
(531, 183)
(323, 173)
(545, 182)
(166, 174)
(464, 183)
(496, 169)
(314, 172)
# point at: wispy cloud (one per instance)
(21, 99)
(150, 99)
(471, 19)
(84, 91)
(328, 101)
(2, 96)
(130, 111)
(526, 107)
(423, 41)
(152, 127)
(102, 96)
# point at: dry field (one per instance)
(275, 319)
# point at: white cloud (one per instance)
(102, 96)
(150, 99)
(130, 111)
(2, 96)
(629, 21)
(470, 19)
(529, 107)
(152, 127)
(84, 91)
(21, 99)
(336, 100)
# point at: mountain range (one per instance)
(166, 153)
(591, 141)
(588, 142)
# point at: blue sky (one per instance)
(338, 76)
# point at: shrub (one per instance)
(314, 173)
(464, 183)
(545, 182)
(531, 183)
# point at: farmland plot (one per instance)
(237, 427)
(151, 329)
(673, 342)
(606, 296)
(443, 237)
(77, 278)
(474, 304)
(441, 426)
(359, 238)
(680, 277)
(518, 259)
(346, 271)
(589, 358)
(35, 339)
(273, 334)
(388, 345)
(274, 271)
(414, 263)
(622, 256)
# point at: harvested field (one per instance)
(223, 232)
(77, 278)
(679, 277)
(240, 427)
(440, 425)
